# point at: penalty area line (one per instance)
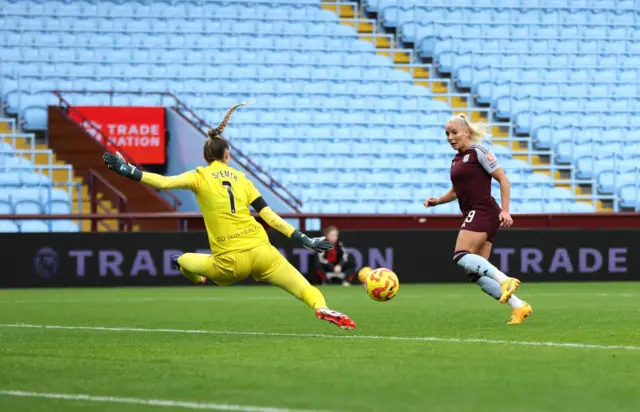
(147, 402)
(328, 336)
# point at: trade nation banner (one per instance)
(424, 256)
(138, 131)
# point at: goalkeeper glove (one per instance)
(316, 244)
(117, 163)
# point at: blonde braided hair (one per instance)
(217, 132)
(215, 147)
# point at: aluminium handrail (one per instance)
(94, 177)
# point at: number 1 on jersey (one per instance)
(232, 199)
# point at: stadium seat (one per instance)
(34, 226)
(8, 179)
(326, 99)
(28, 207)
(8, 226)
(6, 208)
(59, 207)
(64, 226)
(34, 179)
(580, 207)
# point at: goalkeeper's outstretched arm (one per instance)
(317, 244)
(185, 180)
(117, 163)
(271, 217)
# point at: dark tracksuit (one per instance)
(328, 260)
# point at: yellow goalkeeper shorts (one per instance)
(262, 262)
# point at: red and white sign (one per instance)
(137, 131)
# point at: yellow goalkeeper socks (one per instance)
(313, 297)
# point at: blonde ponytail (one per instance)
(216, 147)
(477, 132)
(217, 132)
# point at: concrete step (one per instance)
(379, 42)
(535, 159)
(343, 10)
(360, 26)
(5, 127)
(500, 131)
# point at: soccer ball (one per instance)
(362, 274)
(382, 284)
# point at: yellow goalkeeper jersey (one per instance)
(224, 195)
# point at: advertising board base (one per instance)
(144, 259)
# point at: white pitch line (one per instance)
(143, 300)
(258, 298)
(148, 402)
(327, 336)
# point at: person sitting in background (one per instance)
(335, 263)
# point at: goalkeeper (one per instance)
(239, 244)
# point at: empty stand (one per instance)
(32, 183)
(348, 125)
(564, 72)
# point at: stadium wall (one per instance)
(144, 259)
(185, 153)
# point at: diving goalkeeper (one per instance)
(239, 244)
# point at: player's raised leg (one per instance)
(192, 265)
(270, 266)
(467, 246)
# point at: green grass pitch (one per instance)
(263, 349)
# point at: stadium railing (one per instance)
(193, 221)
(97, 183)
(237, 155)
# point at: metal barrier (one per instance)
(95, 179)
(193, 221)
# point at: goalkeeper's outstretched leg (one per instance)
(271, 266)
(194, 277)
